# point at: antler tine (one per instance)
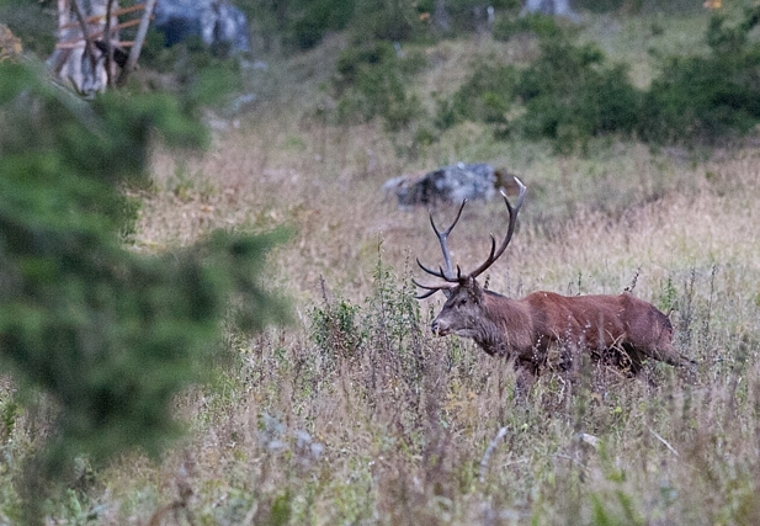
(426, 294)
(513, 210)
(448, 272)
(437, 273)
(431, 289)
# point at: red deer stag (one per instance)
(619, 330)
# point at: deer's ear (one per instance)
(473, 287)
(447, 292)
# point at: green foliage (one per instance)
(316, 18)
(571, 94)
(468, 15)
(543, 26)
(30, 22)
(299, 24)
(335, 330)
(391, 20)
(111, 335)
(372, 82)
(9, 413)
(705, 98)
(197, 75)
(387, 326)
(302, 24)
(394, 312)
(485, 96)
(668, 296)
(604, 6)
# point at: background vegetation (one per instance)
(355, 413)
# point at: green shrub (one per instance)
(485, 96)
(110, 335)
(542, 26)
(372, 82)
(705, 98)
(605, 6)
(314, 18)
(571, 95)
(335, 331)
(391, 20)
(355, 59)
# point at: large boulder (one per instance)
(551, 7)
(453, 184)
(217, 23)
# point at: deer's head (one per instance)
(464, 304)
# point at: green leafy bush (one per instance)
(387, 329)
(391, 20)
(316, 18)
(571, 94)
(372, 82)
(335, 330)
(705, 98)
(110, 335)
(485, 96)
(543, 26)
(570, 97)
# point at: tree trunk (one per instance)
(76, 60)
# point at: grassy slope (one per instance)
(395, 433)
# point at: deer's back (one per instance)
(598, 320)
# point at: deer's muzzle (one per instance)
(438, 328)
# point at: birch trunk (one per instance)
(76, 60)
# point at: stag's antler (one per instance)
(447, 274)
(496, 254)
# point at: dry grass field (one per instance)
(356, 414)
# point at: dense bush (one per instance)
(570, 93)
(302, 24)
(372, 82)
(543, 26)
(705, 98)
(316, 18)
(109, 335)
(485, 96)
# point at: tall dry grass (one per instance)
(355, 414)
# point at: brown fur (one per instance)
(619, 330)
(546, 329)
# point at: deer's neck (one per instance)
(506, 328)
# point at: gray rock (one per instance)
(215, 22)
(551, 7)
(448, 184)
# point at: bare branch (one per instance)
(109, 43)
(667, 445)
(489, 451)
(134, 53)
(85, 35)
